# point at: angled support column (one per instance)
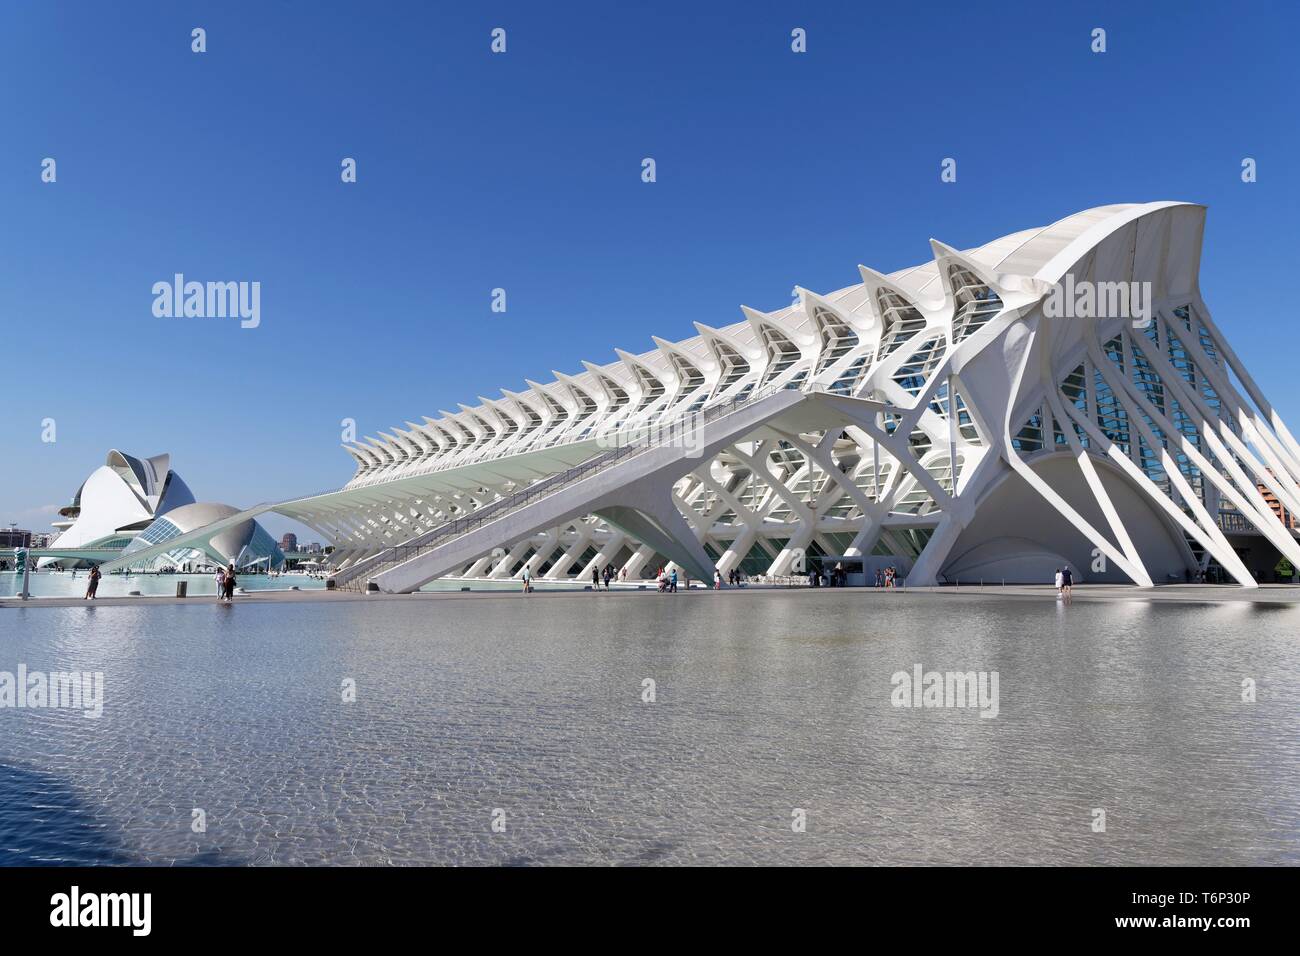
(543, 552)
(605, 554)
(925, 570)
(1136, 572)
(635, 563)
(663, 528)
(478, 567)
(573, 552)
(1264, 521)
(511, 556)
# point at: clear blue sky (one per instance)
(522, 171)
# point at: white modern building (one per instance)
(245, 545)
(1057, 397)
(116, 502)
(129, 505)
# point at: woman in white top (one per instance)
(1060, 580)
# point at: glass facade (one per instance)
(255, 552)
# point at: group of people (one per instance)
(226, 584)
(667, 581)
(666, 578)
(607, 575)
(887, 577)
(836, 577)
(1064, 581)
(598, 575)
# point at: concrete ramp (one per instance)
(632, 492)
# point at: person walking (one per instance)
(1067, 581)
(230, 584)
(528, 579)
(93, 584)
(608, 573)
(672, 582)
(595, 578)
(1060, 581)
(717, 580)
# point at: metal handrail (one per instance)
(427, 540)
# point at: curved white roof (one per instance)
(120, 497)
(486, 429)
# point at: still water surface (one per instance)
(44, 584)
(765, 702)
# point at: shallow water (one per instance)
(43, 584)
(67, 584)
(765, 702)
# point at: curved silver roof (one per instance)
(191, 517)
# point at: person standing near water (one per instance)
(93, 585)
(1067, 581)
(528, 580)
(230, 584)
(221, 583)
(1060, 581)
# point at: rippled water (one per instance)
(67, 584)
(45, 584)
(766, 702)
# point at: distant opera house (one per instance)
(130, 504)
